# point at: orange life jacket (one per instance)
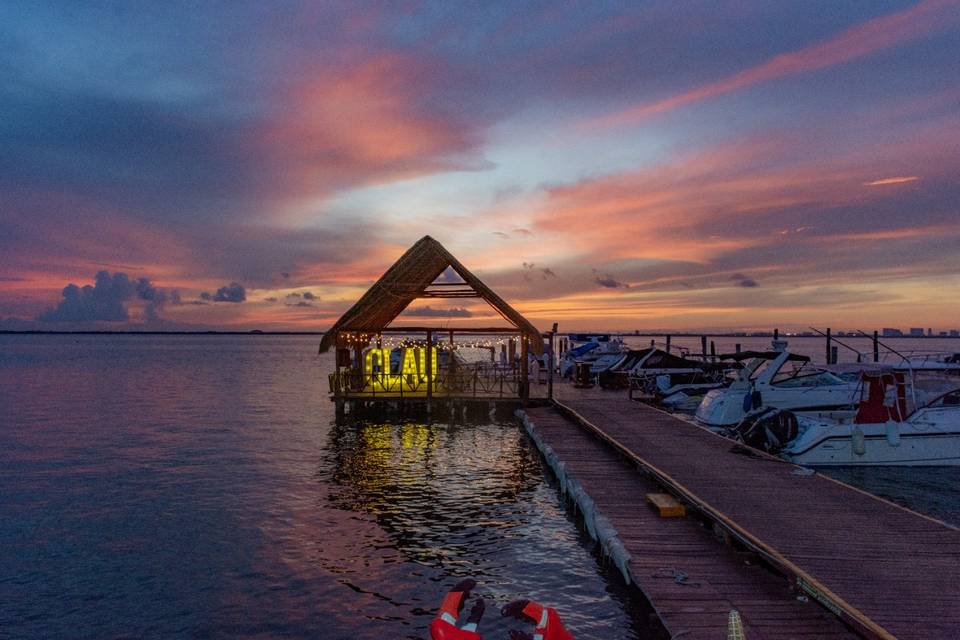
(548, 622)
(444, 626)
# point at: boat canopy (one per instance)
(662, 360)
(631, 358)
(576, 352)
(765, 355)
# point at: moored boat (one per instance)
(777, 379)
(883, 431)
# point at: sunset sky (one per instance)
(639, 165)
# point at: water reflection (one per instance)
(471, 500)
(431, 487)
(197, 487)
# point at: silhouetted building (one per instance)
(916, 332)
(891, 333)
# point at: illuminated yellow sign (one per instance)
(413, 369)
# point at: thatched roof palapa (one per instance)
(409, 279)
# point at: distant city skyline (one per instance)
(709, 167)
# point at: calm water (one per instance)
(195, 486)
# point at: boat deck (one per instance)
(886, 571)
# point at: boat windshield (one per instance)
(799, 378)
(763, 366)
(950, 399)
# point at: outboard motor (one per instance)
(768, 430)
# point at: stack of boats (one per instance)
(904, 413)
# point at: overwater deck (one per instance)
(885, 571)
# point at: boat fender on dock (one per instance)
(893, 433)
(859, 442)
(598, 526)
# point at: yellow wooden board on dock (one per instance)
(666, 505)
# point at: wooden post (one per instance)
(876, 346)
(452, 361)
(668, 344)
(713, 350)
(524, 369)
(653, 342)
(550, 365)
(776, 334)
(833, 355)
(829, 344)
(429, 366)
(736, 347)
(703, 347)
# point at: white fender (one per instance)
(893, 433)
(859, 442)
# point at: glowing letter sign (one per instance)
(412, 375)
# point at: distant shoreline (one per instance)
(255, 332)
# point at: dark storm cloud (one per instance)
(233, 292)
(743, 281)
(429, 312)
(106, 300)
(607, 281)
(154, 297)
(308, 295)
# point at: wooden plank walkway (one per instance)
(720, 578)
(894, 572)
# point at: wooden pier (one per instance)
(807, 556)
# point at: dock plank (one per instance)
(898, 569)
(725, 581)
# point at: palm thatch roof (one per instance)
(410, 278)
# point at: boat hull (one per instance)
(930, 438)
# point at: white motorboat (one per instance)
(777, 379)
(664, 374)
(600, 350)
(883, 431)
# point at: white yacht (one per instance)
(600, 350)
(777, 379)
(883, 431)
(663, 374)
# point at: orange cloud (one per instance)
(667, 212)
(894, 180)
(856, 42)
(361, 124)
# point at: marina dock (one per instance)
(806, 556)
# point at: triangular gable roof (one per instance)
(406, 281)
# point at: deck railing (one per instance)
(470, 382)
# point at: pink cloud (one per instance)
(365, 122)
(889, 181)
(856, 42)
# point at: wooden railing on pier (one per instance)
(886, 571)
(471, 382)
